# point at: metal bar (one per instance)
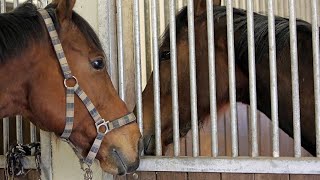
(33, 133)
(15, 3)
(174, 78)
(273, 80)
(111, 42)
(316, 70)
(252, 80)
(156, 78)
(193, 83)
(19, 132)
(147, 36)
(281, 165)
(5, 134)
(137, 58)
(295, 79)
(232, 79)
(166, 13)
(121, 74)
(2, 6)
(212, 80)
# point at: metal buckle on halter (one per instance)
(70, 78)
(101, 123)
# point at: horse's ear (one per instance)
(200, 6)
(64, 9)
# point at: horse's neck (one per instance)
(13, 98)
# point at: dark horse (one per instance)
(304, 37)
(31, 81)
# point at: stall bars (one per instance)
(235, 163)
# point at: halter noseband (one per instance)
(71, 90)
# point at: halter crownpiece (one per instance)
(71, 90)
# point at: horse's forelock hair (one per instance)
(181, 23)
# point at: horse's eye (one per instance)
(165, 55)
(98, 64)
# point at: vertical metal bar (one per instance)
(232, 79)
(137, 57)
(33, 133)
(19, 133)
(295, 79)
(174, 78)
(15, 3)
(212, 80)
(316, 70)
(5, 135)
(147, 38)
(156, 79)
(193, 84)
(166, 13)
(121, 75)
(2, 6)
(273, 80)
(252, 80)
(111, 41)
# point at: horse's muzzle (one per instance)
(124, 166)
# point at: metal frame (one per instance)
(235, 163)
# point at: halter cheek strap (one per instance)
(102, 126)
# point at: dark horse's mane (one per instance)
(21, 27)
(282, 33)
(240, 26)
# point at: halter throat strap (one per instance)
(102, 126)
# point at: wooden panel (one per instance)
(204, 176)
(119, 177)
(229, 176)
(141, 176)
(271, 177)
(243, 130)
(171, 176)
(147, 176)
(304, 177)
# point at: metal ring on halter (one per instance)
(102, 123)
(65, 82)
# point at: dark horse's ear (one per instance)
(64, 9)
(200, 6)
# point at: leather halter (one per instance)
(71, 90)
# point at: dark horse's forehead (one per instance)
(181, 24)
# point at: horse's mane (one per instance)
(282, 33)
(21, 27)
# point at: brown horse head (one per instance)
(183, 81)
(31, 82)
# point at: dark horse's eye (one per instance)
(164, 55)
(98, 64)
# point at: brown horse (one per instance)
(304, 37)
(31, 82)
